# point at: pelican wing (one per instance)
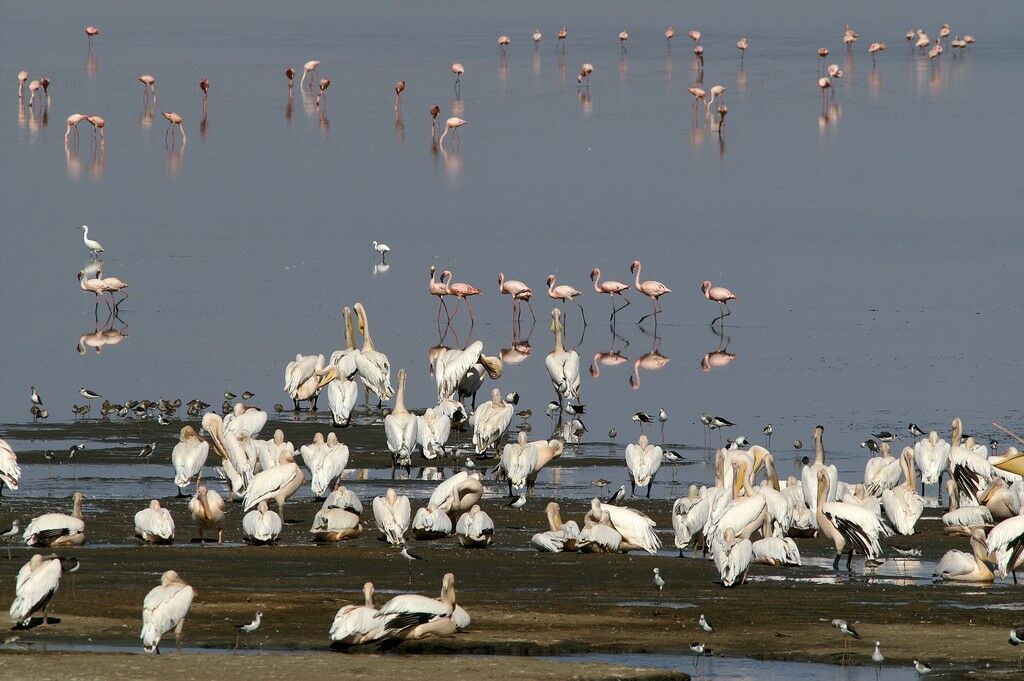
(446, 488)
(954, 564)
(564, 370)
(968, 516)
(400, 431)
(261, 527)
(188, 459)
(1005, 543)
(971, 472)
(375, 371)
(635, 527)
(163, 609)
(34, 589)
(345, 499)
(732, 560)
(552, 541)
(158, 523)
(775, 551)
(333, 520)
(341, 398)
(267, 484)
(330, 468)
(903, 508)
(47, 527)
(518, 462)
(451, 366)
(354, 624)
(345, 361)
(392, 519)
(489, 423)
(643, 463)
(10, 473)
(931, 460)
(859, 526)
(599, 536)
(881, 474)
(432, 520)
(432, 431)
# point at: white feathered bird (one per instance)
(57, 529)
(400, 428)
(261, 525)
(154, 524)
(643, 461)
(164, 609)
(277, 483)
(356, 624)
(563, 365)
(903, 505)
(373, 366)
(490, 422)
(637, 529)
(36, 584)
(1005, 546)
(432, 431)
(392, 514)
(932, 456)
(475, 528)
(188, 458)
(10, 473)
(732, 558)
(330, 467)
(518, 461)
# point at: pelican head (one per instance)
(556, 318)
(368, 594)
(554, 513)
(643, 442)
(958, 428)
(329, 375)
(154, 505)
(361, 316)
(263, 507)
(187, 433)
(168, 578)
(492, 365)
(448, 589)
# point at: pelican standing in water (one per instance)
(207, 509)
(164, 609)
(932, 457)
(154, 524)
(392, 513)
(563, 365)
(903, 505)
(518, 461)
(188, 458)
(261, 526)
(850, 527)
(400, 428)
(373, 366)
(490, 422)
(809, 473)
(35, 586)
(643, 461)
(57, 529)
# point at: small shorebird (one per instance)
(518, 502)
(36, 399)
(9, 535)
(1016, 635)
(73, 451)
(642, 417)
(916, 431)
(878, 659)
(409, 558)
(704, 624)
(885, 436)
(698, 650)
(248, 628)
(88, 394)
(600, 483)
(921, 668)
(848, 632)
(768, 430)
(663, 418)
(618, 495)
(612, 433)
(660, 583)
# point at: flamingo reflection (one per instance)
(651, 361)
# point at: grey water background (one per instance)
(876, 254)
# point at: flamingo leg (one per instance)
(530, 305)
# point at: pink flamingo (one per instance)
(148, 83)
(174, 119)
(91, 32)
(22, 78)
(874, 49)
(610, 287)
(460, 290)
(503, 42)
(720, 295)
(399, 89)
(93, 286)
(204, 85)
(694, 36)
(308, 68)
(742, 45)
(699, 95)
(113, 285)
(289, 73)
(564, 292)
(98, 124)
(73, 121)
(519, 292)
(651, 288)
(458, 69)
(452, 124)
(698, 52)
(437, 288)
(324, 84)
(669, 34)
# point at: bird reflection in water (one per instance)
(109, 335)
(74, 165)
(380, 268)
(92, 64)
(173, 159)
(399, 127)
(651, 361)
(611, 358)
(586, 102)
(718, 357)
(520, 349)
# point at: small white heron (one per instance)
(94, 246)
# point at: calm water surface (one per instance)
(875, 251)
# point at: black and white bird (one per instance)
(719, 422)
(248, 628)
(146, 451)
(698, 650)
(36, 399)
(518, 502)
(767, 431)
(73, 451)
(740, 441)
(878, 659)
(163, 421)
(618, 495)
(89, 394)
(49, 455)
(11, 533)
(704, 624)
(575, 409)
(512, 398)
(404, 553)
(672, 455)
(916, 431)
(845, 629)
(663, 419)
(612, 433)
(642, 417)
(552, 409)
(870, 445)
(921, 668)
(1016, 638)
(228, 395)
(884, 436)
(798, 445)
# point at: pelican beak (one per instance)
(329, 376)
(737, 483)
(758, 459)
(1012, 464)
(493, 366)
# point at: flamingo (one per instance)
(503, 42)
(308, 68)
(91, 32)
(623, 39)
(452, 124)
(585, 72)
(515, 288)
(174, 119)
(742, 44)
(435, 111)
(610, 287)
(399, 89)
(148, 84)
(33, 87)
(651, 288)
(564, 292)
(694, 36)
(873, 49)
(698, 52)
(22, 77)
(324, 84)
(537, 36)
(720, 295)
(699, 96)
(204, 85)
(73, 121)
(458, 69)
(669, 34)
(562, 35)
(289, 73)
(98, 124)
(460, 290)
(716, 92)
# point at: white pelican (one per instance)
(732, 558)
(458, 493)
(850, 527)
(314, 452)
(188, 458)
(598, 535)
(962, 519)
(431, 522)
(775, 549)
(931, 455)
(154, 524)
(903, 505)
(413, 617)
(343, 498)
(860, 497)
(563, 365)
(207, 508)
(959, 566)
(804, 522)
(518, 461)
(245, 419)
(373, 366)
(432, 431)
(10, 473)
(36, 584)
(355, 624)
(165, 608)
(277, 483)
(547, 451)
(235, 460)
(475, 528)
(345, 360)
(330, 467)
(560, 536)
(490, 421)
(261, 526)
(637, 529)
(400, 428)
(689, 515)
(341, 396)
(272, 451)
(302, 378)
(643, 461)
(335, 524)
(809, 474)
(779, 508)
(1002, 500)
(1005, 545)
(392, 513)
(57, 529)
(882, 473)
(744, 515)
(971, 470)
(453, 366)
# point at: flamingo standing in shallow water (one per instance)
(308, 68)
(289, 73)
(148, 84)
(437, 288)
(460, 290)
(519, 292)
(720, 295)
(458, 69)
(91, 32)
(565, 292)
(742, 45)
(610, 287)
(651, 288)
(452, 124)
(73, 121)
(174, 119)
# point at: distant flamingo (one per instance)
(623, 39)
(698, 96)
(399, 89)
(308, 68)
(91, 32)
(716, 91)
(537, 36)
(460, 290)
(93, 286)
(669, 34)
(174, 119)
(437, 288)
(562, 35)
(720, 295)
(824, 84)
(33, 87)
(97, 126)
(324, 84)
(742, 44)
(849, 37)
(503, 42)
(519, 292)
(113, 285)
(611, 288)
(923, 40)
(289, 73)
(22, 77)
(148, 83)
(434, 112)
(698, 52)
(694, 36)
(73, 121)
(458, 69)
(564, 292)
(204, 85)
(45, 82)
(944, 31)
(651, 288)
(585, 72)
(875, 48)
(452, 124)
(722, 111)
